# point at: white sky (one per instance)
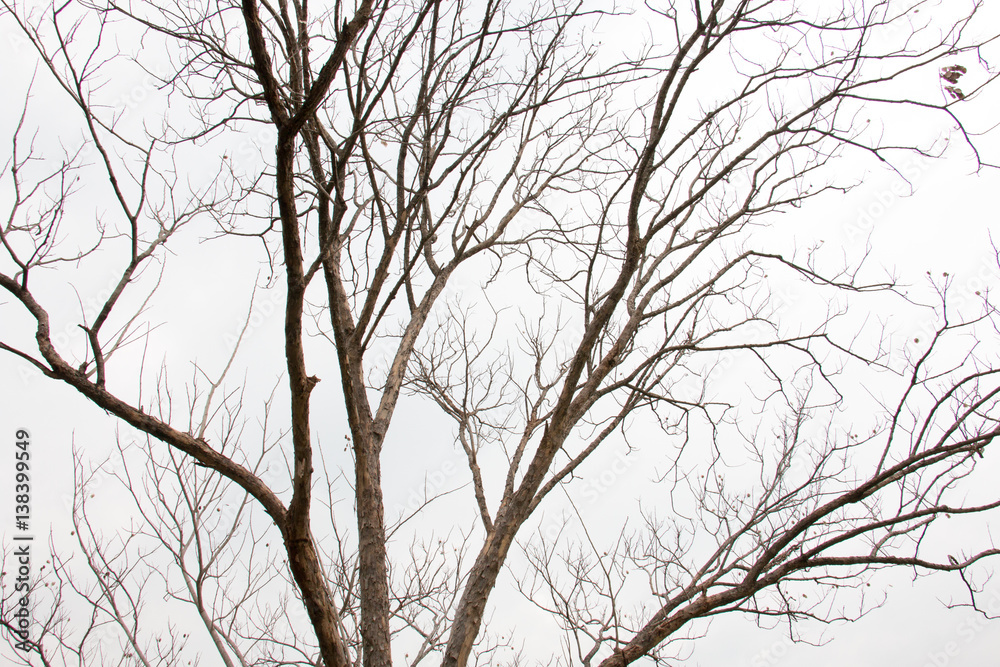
(943, 227)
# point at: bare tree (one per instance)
(553, 239)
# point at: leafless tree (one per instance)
(554, 231)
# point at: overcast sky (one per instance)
(943, 227)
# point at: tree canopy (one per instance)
(570, 243)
